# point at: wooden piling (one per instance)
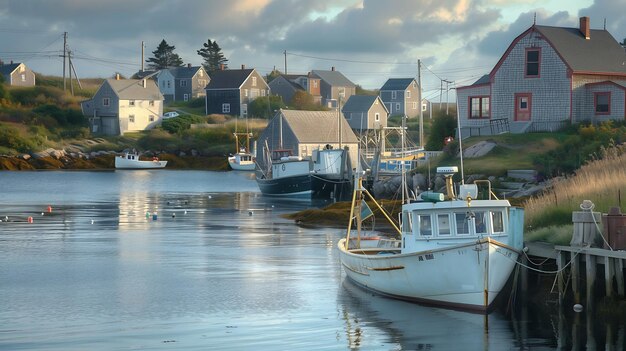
(590, 269)
(609, 274)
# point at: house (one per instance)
(231, 90)
(286, 86)
(124, 105)
(365, 112)
(183, 83)
(305, 131)
(401, 96)
(17, 74)
(548, 78)
(335, 88)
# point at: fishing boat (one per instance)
(243, 160)
(286, 175)
(451, 250)
(130, 160)
(331, 177)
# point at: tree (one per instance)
(273, 75)
(259, 107)
(213, 56)
(164, 57)
(443, 126)
(302, 100)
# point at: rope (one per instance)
(542, 271)
(587, 205)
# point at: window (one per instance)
(414, 105)
(151, 118)
(169, 84)
(394, 95)
(602, 103)
(131, 118)
(408, 94)
(201, 73)
(262, 92)
(443, 221)
(131, 102)
(481, 222)
(425, 224)
(254, 81)
(342, 92)
(183, 83)
(532, 62)
(225, 108)
(244, 110)
(397, 106)
(377, 117)
(479, 107)
(23, 77)
(462, 227)
(106, 102)
(497, 221)
(245, 92)
(315, 83)
(185, 97)
(406, 222)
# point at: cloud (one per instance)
(615, 13)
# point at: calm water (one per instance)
(218, 270)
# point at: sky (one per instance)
(368, 41)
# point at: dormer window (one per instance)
(254, 81)
(533, 58)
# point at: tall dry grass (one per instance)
(603, 181)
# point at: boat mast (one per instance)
(419, 85)
(280, 131)
(458, 127)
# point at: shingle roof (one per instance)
(601, 53)
(334, 78)
(358, 103)
(397, 83)
(229, 78)
(128, 89)
(141, 74)
(184, 72)
(6, 69)
(318, 126)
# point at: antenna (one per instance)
(605, 23)
(535, 19)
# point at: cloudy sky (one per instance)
(367, 40)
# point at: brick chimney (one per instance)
(243, 66)
(221, 66)
(143, 83)
(584, 27)
(332, 68)
(117, 76)
(189, 65)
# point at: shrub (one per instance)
(442, 127)
(181, 123)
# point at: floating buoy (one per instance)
(185, 211)
(250, 213)
(173, 214)
(92, 221)
(49, 209)
(578, 308)
(30, 219)
(154, 216)
(42, 213)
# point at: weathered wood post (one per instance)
(586, 234)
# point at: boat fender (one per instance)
(30, 219)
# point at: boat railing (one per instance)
(490, 194)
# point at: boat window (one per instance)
(497, 221)
(406, 222)
(443, 221)
(462, 223)
(426, 227)
(481, 222)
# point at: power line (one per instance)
(351, 61)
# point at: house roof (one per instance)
(7, 69)
(358, 103)
(129, 89)
(482, 80)
(142, 74)
(229, 78)
(184, 72)
(334, 78)
(318, 126)
(397, 83)
(601, 53)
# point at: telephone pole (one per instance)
(419, 85)
(69, 59)
(142, 46)
(64, 53)
(285, 53)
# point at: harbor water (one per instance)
(196, 260)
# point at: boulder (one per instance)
(479, 149)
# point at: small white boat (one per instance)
(243, 160)
(457, 253)
(131, 161)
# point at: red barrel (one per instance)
(615, 228)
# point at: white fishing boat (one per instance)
(130, 160)
(453, 250)
(243, 160)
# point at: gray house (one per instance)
(365, 112)
(188, 82)
(123, 105)
(231, 90)
(17, 74)
(305, 131)
(335, 88)
(286, 86)
(548, 78)
(401, 97)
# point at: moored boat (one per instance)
(286, 175)
(453, 250)
(243, 160)
(130, 160)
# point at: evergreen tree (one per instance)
(164, 57)
(213, 56)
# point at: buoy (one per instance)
(185, 211)
(30, 219)
(578, 308)
(147, 215)
(49, 209)
(42, 213)
(173, 214)
(250, 213)
(92, 221)
(154, 216)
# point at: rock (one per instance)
(194, 153)
(479, 149)
(439, 182)
(182, 154)
(58, 154)
(25, 157)
(419, 181)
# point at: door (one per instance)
(523, 104)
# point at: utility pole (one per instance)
(419, 85)
(64, 51)
(447, 95)
(440, 93)
(142, 46)
(285, 53)
(69, 59)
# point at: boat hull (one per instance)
(292, 186)
(330, 188)
(123, 163)
(237, 164)
(467, 276)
